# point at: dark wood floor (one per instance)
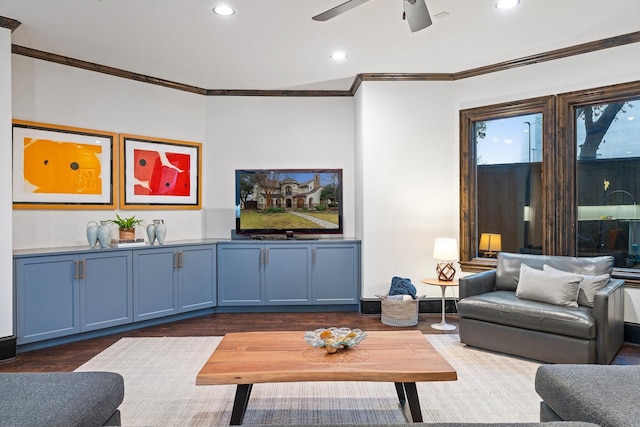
(67, 357)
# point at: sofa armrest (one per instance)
(475, 284)
(608, 311)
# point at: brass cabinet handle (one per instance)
(83, 273)
(266, 256)
(180, 258)
(77, 263)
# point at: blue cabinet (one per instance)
(288, 273)
(336, 274)
(106, 296)
(62, 293)
(197, 277)
(154, 274)
(59, 295)
(171, 280)
(240, 272)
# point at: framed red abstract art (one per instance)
(63, 167)
(159, 173)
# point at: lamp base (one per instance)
(446, 271)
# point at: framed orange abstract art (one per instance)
(159, 173)
(62, 167)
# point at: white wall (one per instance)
(408, 182)
(602, 68)
(280, 132)
(52, 93)
(6, 255)
(407, 146)
(396, 141)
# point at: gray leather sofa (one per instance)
(61, 399)
(493, 317)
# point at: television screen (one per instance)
(289, 201)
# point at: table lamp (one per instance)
(490, 243)
(446, 251)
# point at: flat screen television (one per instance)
(288, 201)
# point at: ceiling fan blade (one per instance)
(331, 13)
(417, 14)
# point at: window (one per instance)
(603, 137)
(502, 159)
(579, 163)
(509, 184)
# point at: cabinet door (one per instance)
(197, 271)
(105, 290)
(155, 276)
(288, 273)
(336, 274)
(46, 297)
(240, 269)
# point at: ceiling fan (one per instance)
(415, 12)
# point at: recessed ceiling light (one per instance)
(338, 56)
(223, 10)
(507, 4)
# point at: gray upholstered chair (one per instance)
(494, 317)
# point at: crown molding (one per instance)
(552, 55)
(260, 92)
(104, 69)
(580, 49)
(9, 23)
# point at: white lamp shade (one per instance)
(445, 249)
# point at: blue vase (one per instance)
(92, 234)
(160, 230)
(104, 234)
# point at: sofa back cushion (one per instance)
(553, 287)
(508, 266)
(589, 286)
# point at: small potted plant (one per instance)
(127, 226)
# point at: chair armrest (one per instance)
(608, 311)
(475, 284)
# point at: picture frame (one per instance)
(63, 167)
(159, 173)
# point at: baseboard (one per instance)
(7, 348)
(632, 333)
(425, 305)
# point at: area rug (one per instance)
(160, 389)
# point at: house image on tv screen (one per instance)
(289, 193)
(304, 200)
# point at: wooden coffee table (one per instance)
(401, 357)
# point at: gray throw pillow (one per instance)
(589, 286)
(545, 286)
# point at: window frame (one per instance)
(567, 207)
(469, 260)
(559, 170)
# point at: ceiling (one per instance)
(274, 44)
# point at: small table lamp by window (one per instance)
(445, 250)
(490, 243)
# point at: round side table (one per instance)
(443, 325)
